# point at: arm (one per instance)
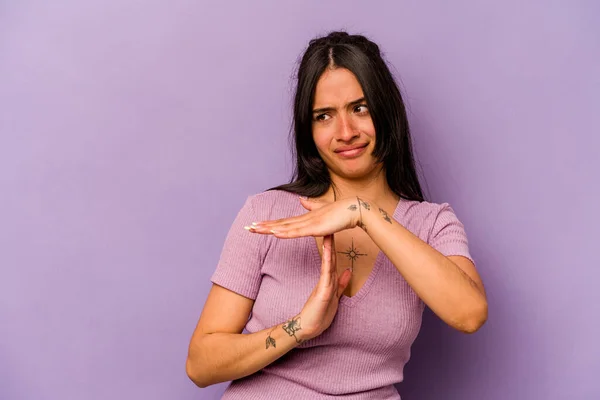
(450, 286)
(218, 350)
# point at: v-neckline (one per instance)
(364, 289)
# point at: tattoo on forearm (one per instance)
(293, 326)
(270, 341)
(385, 215)
(352, 253)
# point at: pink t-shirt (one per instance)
(363, 353)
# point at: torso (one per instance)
(376, 322)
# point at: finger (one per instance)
(333, 253)
(326, 262)
(275, 228)
(298, 229)
(314, 210)
(343, 281)
(308, 229)
(332, 260)
(298, 223)
(281, 222)
(296, 233)
(313, 226)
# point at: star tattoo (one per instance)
(352, 253)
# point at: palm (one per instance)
(322, 305)
(321, 219)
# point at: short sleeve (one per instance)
(448, 234)
(239, 267)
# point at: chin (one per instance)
(355, 173)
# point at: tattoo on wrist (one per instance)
(362, 204)
(385, 215)
(293, 326)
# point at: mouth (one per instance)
(351, 151)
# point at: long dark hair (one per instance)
(393, 145)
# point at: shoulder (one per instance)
(273, 204)
(423, 217)
(274, 198)
(423, 211)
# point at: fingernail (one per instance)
(248, 228)
(254, 223)
(274, 231)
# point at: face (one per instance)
(342, 128)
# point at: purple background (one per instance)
(132, 132)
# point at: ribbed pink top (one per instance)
(363, 353)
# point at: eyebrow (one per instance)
(325, 109)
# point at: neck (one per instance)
(373, 187)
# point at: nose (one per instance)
(346, 129)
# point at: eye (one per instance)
(322, 117)
(361, 109)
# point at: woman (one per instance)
(330, 273)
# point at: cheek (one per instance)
(322, 138)
(367, 128)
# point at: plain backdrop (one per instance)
(131, 133)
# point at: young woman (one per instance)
(330, 273)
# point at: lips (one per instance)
(349, 148)
(350, 152)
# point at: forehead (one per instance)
(337, 87)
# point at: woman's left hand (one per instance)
(321, 219)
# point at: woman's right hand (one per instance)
(322, 305)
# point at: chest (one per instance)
(353, 249)
(379, 308)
